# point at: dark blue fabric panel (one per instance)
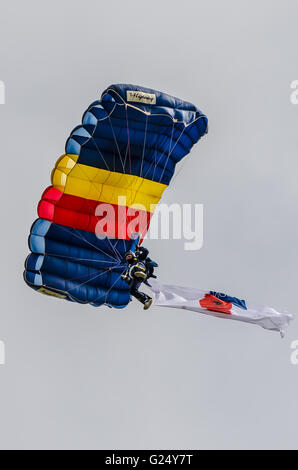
(78, 264)
(127, 140)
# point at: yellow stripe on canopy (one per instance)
(97, 184)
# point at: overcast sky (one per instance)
(78, 377)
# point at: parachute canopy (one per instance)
(116, 166)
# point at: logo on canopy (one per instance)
(140, 97)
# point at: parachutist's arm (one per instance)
(150, 265)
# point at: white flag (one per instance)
(219, 305)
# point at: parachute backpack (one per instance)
(122, 157)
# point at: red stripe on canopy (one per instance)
(92, 216)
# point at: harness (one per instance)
(141, 267)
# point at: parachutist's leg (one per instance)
(140, 296)
(134, 290)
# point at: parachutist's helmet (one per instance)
(142, 253)
(130, 256)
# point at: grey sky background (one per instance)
(77, 377)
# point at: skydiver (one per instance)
(142, 255)
(139, 269)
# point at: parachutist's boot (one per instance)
(148, 303)
(140, 274)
